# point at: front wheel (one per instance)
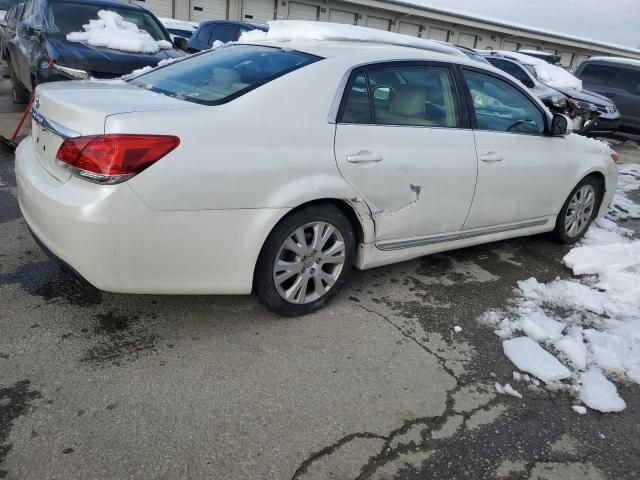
(305, 261)
(577, 213)
(19, 94)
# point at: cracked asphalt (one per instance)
(376, 386)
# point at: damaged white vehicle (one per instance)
(278, 167)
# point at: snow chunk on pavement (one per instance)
(110, 30)
(540, 327)
(574, 348)
(507, 389)
(529, 356)
(579, 409)
(599, 393)
(457, 329)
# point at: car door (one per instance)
(521, 170)
(624, 90)
(403, 142)
(26, 41)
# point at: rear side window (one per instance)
(224, 34)
(597, 74)
(403, 95)
(501, 107)
(221, 75)
(628, 80)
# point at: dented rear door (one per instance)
(418, 180)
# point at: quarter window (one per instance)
(499, 106)
(411, 95)
(224, 34)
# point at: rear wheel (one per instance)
(19, 93)
(305, 261)
(577, 213)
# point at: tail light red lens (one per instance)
(114, 158)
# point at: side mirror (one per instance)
(559, 125)
(527, 82)
(181, 43)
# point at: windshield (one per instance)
(70, 17)
(223, 74)
(7, 4)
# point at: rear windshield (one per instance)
(223, 74)
(70, 17)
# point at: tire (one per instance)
(19, 94)
(305, 262)
(582, 206)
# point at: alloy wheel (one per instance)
(309, 262)
(580, 210)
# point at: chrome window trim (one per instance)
(423, 241)
(51, 126)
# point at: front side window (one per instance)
(511, 68)
(499, 106)
(224, 34)
(404, 95)
(627, 79)
(221, 75)
(597, 74)
(205, 33)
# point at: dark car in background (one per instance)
(40, 52)
(8, 27)
(592, 113)
(220, 30)
(619, 80)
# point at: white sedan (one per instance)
(277, 167)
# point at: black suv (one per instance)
(219, 30)
(618, 79)
(40, 52)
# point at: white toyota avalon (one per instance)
(279, 166)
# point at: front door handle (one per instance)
(491, 157)
(364, 156)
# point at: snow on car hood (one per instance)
(551, 75)
(102, 60)
(84, 105)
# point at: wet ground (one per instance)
(376, 386)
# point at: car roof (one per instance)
(258, 26)
(617, 61)
(104, 3)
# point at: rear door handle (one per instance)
(491, 157)
(364, 156)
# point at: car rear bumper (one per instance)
(113, 240)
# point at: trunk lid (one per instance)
(71, 109)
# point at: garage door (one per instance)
(161, 8)
(340, 16)
(207, 10)
(566, 58)
(529, 47)
(302, 11)
(439, 34)
(260, 11)
(467, 40)
(511, 46)
(409, 29)
(379, 23)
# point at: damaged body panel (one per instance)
(417, 181)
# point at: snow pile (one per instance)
(552, 75)
(507, 390)
(578, 330)
(283, 30)
(172, 23)
(110, 30)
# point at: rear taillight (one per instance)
(113, 158)
(615, 157)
